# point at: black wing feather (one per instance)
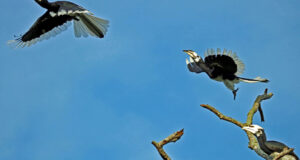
(275, 146)
(43, 25)
(223, 63)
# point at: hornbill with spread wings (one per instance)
(221, 66)
(56, 20)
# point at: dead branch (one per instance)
(253, 144)
(222, 116)
(171, 138)
(257, 104)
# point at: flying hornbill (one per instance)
(56, 19)
(268, 147)
(223, 67)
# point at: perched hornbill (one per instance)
(223, 67)
(268, 147)
(56, 19)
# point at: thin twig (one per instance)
(171, 138)
(222, 116)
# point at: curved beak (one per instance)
(250, 129)
(191, 53)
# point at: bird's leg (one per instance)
(230, 85)
(234, 93)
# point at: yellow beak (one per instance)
(190, 53)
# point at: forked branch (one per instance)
(171, 138)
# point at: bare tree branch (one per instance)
(171, 138)
(222, 116)
(253, 144)
(256, 105)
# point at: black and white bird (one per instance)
(220, 66)
(269, 147)
(57, 18)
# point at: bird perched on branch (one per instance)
(268, 147)
(56, 19)
(221, 66)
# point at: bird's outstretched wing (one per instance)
(223, 63)
(44, 27)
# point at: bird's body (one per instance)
(269, 147)
(223, 67)
(55, 20)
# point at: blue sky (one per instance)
(87, 98)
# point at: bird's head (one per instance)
(254, 129)
(41, 1)
(193, 55)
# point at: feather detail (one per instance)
(18, 43)
(89, 24)
(257, 79)
(237, 61)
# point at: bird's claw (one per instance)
(234, 93)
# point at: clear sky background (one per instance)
(70, 98)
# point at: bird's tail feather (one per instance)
(89, 24)
(257, 79)
(79, 29)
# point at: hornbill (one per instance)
(223, 67)
(57, 18)
(268, 147)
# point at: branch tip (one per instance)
(266, 91)
(171, 138)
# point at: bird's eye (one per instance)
(259, 133)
